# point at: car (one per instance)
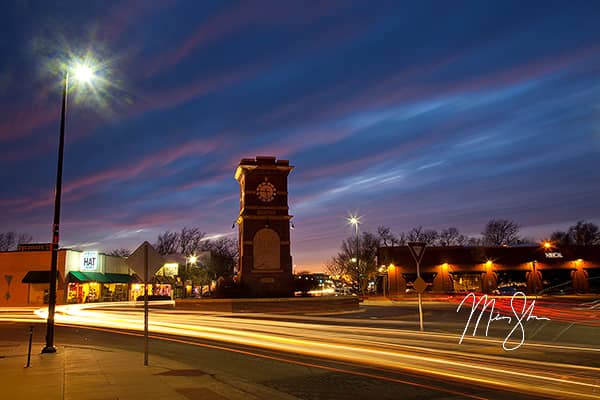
(509, 290)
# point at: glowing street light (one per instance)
(190, 260)
(354, 220)
(82, 72)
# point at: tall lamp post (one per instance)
(85, 74)
(352, 220)
(191, 260)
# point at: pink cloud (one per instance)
(386, 95)
(121, 173)
(235, 19)
(196, 147)
(215, 28)
(202, 86)
(26, 121)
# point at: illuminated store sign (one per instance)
(89, 261)
(554, 255)
(170, 269)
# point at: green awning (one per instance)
(78, 276)
(81, 277)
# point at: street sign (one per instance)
(136, 260)
(420, 285)
(417, 249)
(145, 260)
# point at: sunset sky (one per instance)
(406, 113)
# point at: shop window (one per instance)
(466, 281)
(555, 277)
(512, 278)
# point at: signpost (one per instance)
(417, 249)
(145, 259)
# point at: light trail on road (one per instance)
(477, 361)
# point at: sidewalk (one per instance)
(94, 373)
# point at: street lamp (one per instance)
(191, 260)
(82, 72)
(353, 220)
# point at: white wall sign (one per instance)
(554, 255)
(170, 269)
(89, 261)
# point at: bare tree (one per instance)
(167, 243)
(584, 233)
(10, 240)
(430, 236)
(224, 255)
(121, 252)
(561, 238)
(501, 232)
(473, 242)
(415, 234)
(401, 240)
(386, 237)
(451, 237)
(334, 269)
(419, 234)
(24, 238)
(189, 241)
(7, 241)
(367, 253)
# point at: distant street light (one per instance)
(84, 73)
(191, 260)
(353, 220)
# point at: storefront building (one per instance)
(90, 276)
(500, 270)
(87, 276)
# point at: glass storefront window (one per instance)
(466, 282)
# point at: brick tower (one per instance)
(264, 227)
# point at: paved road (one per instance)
(375, 353)
(300, 376)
